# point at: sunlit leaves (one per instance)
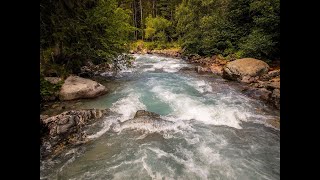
(156, 27)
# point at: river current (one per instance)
(218, 132)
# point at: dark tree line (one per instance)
(72, 31)
(75, 30)
(141, 9)
(237, 28)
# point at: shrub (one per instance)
(258, 45)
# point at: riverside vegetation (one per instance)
(87, 45)
(74, 33)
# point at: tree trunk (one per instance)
(141, 20)
(135, 19)
(153, 9)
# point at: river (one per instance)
(218, 132)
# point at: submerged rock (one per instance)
(186, 69)
(75, 87)
(245, 70)
(141, 113)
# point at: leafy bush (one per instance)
(258, 45)
(83, 29)
(157, 28)
(47, 89)
(234, 28)
(140, 45)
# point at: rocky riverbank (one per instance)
(68, 128)
(64, 129)
(261, 80)
(62, 87)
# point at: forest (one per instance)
(73, 31)
(160, 89)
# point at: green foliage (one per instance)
(83, 29)
(137, 45)
(257, 44)
(199, 26)
(140, 45)
(47, 89)
(166, 8)
(157, 28)
(233, 28)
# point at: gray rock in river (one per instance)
(141, 113)
(75, 87)
(145, 120)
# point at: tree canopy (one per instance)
(75, 30)
(239, 27)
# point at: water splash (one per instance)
(216, 132)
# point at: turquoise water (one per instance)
(218, 133)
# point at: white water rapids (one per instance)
(217, 132)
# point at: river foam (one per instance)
(128, 106)
(188, 108)
(165, 64)
(211, 136)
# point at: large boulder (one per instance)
(75, 87)
(245, 70)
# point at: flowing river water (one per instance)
(218, 132)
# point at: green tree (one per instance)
(242, 27)
(157, 28)
(83, 29)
